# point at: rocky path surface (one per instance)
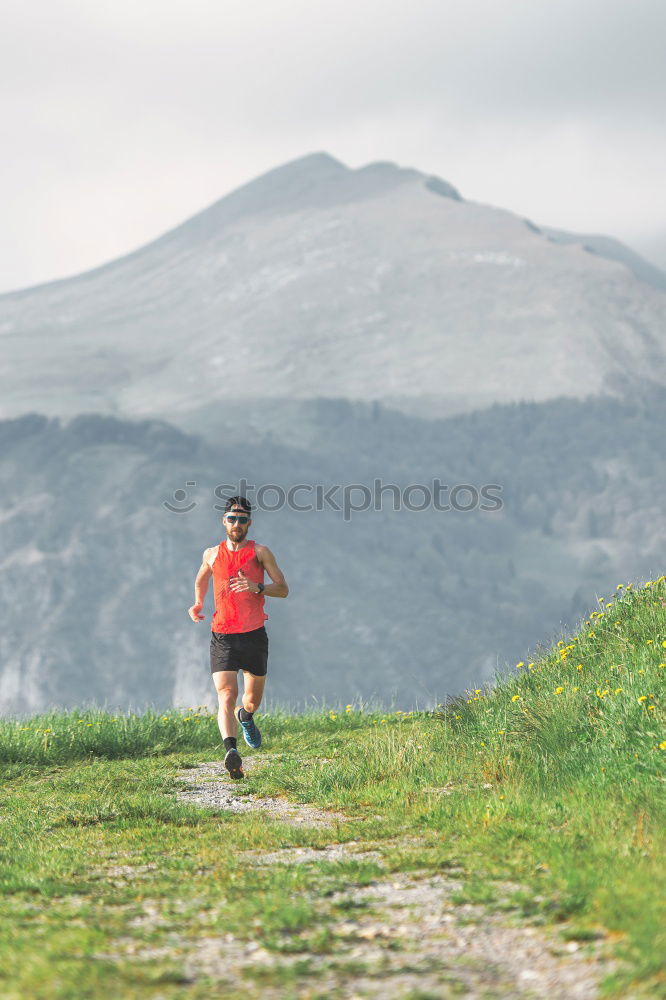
(407, 938)
(210, 785)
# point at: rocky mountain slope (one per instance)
(316, 280)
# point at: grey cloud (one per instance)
(334, 59)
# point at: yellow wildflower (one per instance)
(515, 697)
(522, 664)
(662, 745)
(617, 690)
(559, 690)
(642, 697)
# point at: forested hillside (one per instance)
(97, 573)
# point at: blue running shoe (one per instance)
(251, 734)
(234, 764)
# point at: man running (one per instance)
(239, 640)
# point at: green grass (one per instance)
(553, 780)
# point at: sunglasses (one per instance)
(232, 518)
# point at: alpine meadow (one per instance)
(529, 814)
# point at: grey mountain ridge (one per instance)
(378, 283)
(612, 249)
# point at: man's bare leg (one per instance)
(253, 691)
(226, 685)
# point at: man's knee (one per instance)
(226, 695)
(251, 701)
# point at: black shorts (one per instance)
(240, 651)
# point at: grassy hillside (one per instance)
(552, 781)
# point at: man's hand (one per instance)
(193, 612)
(241, 582)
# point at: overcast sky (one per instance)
(121, 118)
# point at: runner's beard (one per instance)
(236, 534)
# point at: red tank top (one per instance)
(241, 611)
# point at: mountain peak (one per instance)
(304, 170)
(294, 184)
(315, 180)
(312, 161)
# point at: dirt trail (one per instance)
(211, 786)
(412, 941)
(407, 937)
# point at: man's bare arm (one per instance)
(200, 589)
(278, 588)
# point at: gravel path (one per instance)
(211, 786)
(412, 942)
(459, 947)
(407, 939)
